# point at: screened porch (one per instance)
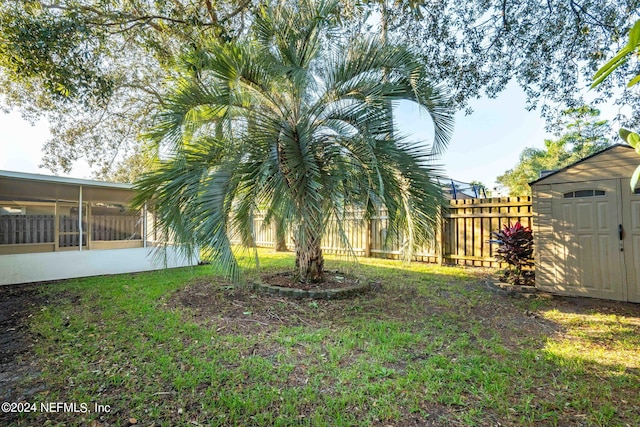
(50, 214)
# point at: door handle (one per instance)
(620, 235)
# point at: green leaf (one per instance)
(610, 66)
(631, 138)
(633, 81)
(634, 35)
(635, 178)
(620, 58)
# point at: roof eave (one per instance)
(579, 161)
(63, 180)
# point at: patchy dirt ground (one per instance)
(17, 362)
(234, 311)
(238, 311)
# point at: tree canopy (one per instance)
(96, 67)
(583, 134)
(551, 48)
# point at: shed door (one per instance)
(631, 225)
(588, 251)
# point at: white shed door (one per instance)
(631, 235)
(588, 243)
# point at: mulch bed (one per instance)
(333, 280)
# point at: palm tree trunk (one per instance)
(309, 260)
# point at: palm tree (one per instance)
(296, 122)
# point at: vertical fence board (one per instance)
(12, 230)
(475, 219)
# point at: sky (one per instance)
(488, 142)
(484, 144)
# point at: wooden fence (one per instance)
(469, 223)
(25, 229)
(463, 239)
(17, 229)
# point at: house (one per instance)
(58, 228)
(586, 227)
(458, 190)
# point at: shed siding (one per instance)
(631, 244)
(617, 162)
(578, 248)
(543, 231)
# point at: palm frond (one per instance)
(284, 122)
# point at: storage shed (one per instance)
(586, 225)
(58, 228)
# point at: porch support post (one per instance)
(80, 217)
(144, 225)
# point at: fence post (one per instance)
(439, 236)
(367, 233)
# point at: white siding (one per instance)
(39, 267)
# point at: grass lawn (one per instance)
(428, 346)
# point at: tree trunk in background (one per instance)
(281, 237)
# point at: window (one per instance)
(584, 193)
(110, 222)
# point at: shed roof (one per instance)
(605, 155)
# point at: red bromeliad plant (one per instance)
(516, 249)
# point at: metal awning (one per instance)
(27, 186)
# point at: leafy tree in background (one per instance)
(133, 166)
(96, 68)
(631, 48)
(550, 48)
(584, 134)
(293, 121)
(480, 188)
